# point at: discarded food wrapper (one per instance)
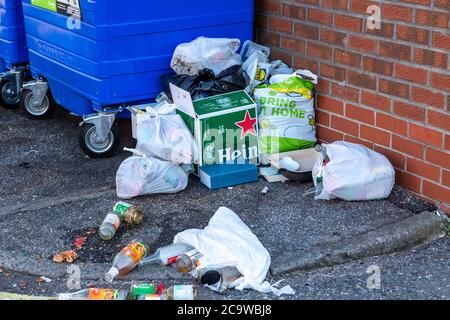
(43, 279)
(79, 243)
(228, 242)
(216, 54)
(162, 133)
(141, 175)
(352, 172)
(66, 256)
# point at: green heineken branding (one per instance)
(225, 127)
(286, 116)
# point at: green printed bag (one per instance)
(286, 114)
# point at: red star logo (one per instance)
(248, 125)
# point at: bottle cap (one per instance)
(111, 274)
(210, 277)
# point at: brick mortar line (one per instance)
(407, 137)
(393, 39)
(401, 4)
(426, 85)
(313, 23)
(382, 94)
(413, 103)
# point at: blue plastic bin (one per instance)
(119, 50)
(13, 49)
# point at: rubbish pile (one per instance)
(224, 255)
(228, 118)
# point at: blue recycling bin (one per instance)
(13, 51)
(98, 56)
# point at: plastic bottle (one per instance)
(326, 159)
(180, 293)
(96, 294)
(127, 259)
(221, 279)
(189, 261)
(122, 212)
(110, 226)
(166, 255)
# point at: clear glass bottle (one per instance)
(166, 255)
(189, 261)
(109, 226)
(96, 294)
(122, 212)
(180, 293)
(127, 259)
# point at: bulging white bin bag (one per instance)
(354, 173)
(228, 242)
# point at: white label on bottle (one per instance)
(113, 219)
(183, 293)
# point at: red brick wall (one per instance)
(388, 89)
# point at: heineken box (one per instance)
(224, 126)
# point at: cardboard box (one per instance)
(224, 126)
(220, 176)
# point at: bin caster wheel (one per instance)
(8, 99)
(43, 111)
(97, 149)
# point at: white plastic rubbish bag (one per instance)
(140, 175)
(354, 173)
(228, 242)
(216, 54)
(162, 133)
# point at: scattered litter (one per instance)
(265, 190)
(127, 259)
(289, 164)
(67, 256)
(23, 284)
(228, 242)
(352, 172)
(96, 294)
(79, 243)
(43, 279)
(272, 174)
(122, 212)
(166, 255)
(296, 165)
